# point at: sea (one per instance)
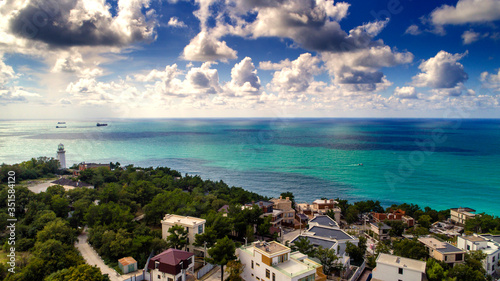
(440, 163)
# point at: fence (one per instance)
(358, 272)
(204, 270)
(136, 278)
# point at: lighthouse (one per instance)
(61, 156)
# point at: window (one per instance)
(159, 277)
(200, 229)
(257, 278)
(268, 273)
(445, 258)
(274, 277)
(400, 271)
(252, 264)
(170, 279)
(459, 257)
(468, 247)
(257, 264)
(157, 264)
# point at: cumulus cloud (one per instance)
(362, 66)
(10, 93)
(175, 22)
(413, 30)
(467, 11)
(298, 76)
(65, 23)
(470, 36)
(441, 71)
(244, 79)
(205, 47)
(491, 81)
(406, 93)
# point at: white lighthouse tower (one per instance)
(61, 156)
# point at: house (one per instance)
(320, 207)
(224, 210)
(268, 210)
(285, 206)
(324, 221)
(171, 265)
(394, 215)
(461, 215)
(84, 166)
(127, 264)
(272, 261)
(394, 268)
(380, 230)
(329, 238)
(69, 184)
(443, 251)
(488, 244)
(193, 226)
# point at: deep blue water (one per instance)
(436, 163)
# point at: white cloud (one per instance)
(79, 23)
(244, 79)
(491, 81)
(413, 30)
(467, 11)
(406, 93)
(470, 36)
(268, 65)
(6, 72)
(10, 93)
(205, 47)
(297, 77)
(441, 71)
(175, 22)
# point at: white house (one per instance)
(488, 244)
(394, 268)
(329, 237)
(193, 226)
(272, 261)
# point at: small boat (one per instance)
(360, 164)
(60, 127)
(101, 124)
(61, 122)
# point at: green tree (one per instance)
(355, 253)
(222, 253)
(435, 271)
(425, 221)
(303, 245)
(83, 272)
(410, 249)
(352, 214)
(177, 238)
(58, 229)
(328, 259)
(234, 269)
(209, 237)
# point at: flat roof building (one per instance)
(393, 268)
(443, 251)
(192, 225)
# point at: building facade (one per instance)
(443, 251)
(394, 268)
(285, 206)
(488, 244)
(381, 230)
(320, 207)
(461, 215)
(127, 265)
(171, 265)
(272, 261)
(192, 225)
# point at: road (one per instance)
(92, 258)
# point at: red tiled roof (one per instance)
(172, 256)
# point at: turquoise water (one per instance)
(436, 163)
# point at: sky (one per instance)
(77, 59)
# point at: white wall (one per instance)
(391, 273)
